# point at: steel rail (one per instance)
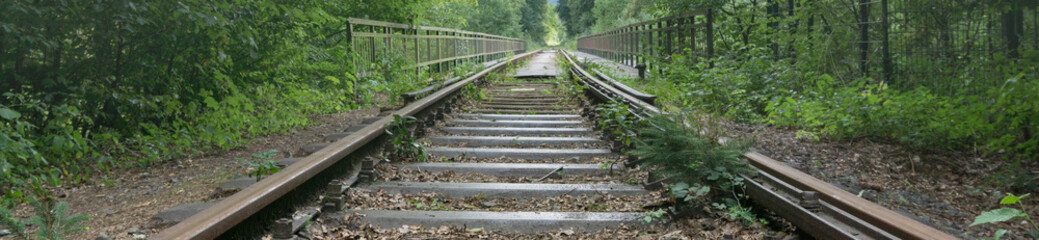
(651, 99)
(224, 215)
(842, 215)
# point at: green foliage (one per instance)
(91, 86)
(532, 17)
(51, 217)
(737, 212)
(615, 118)
(405, 144)
(555, 32)
(751, 87)
(577, 16)
(498, 17)
(12, 224)
(685, 148)
(266, 154)
(264, 166)
(473, 93)
(1006, 214)
(610, 14)
(689, 193)
(788, 69)
(998, 215)
(653, 216)
(573, 89)
(435, 204)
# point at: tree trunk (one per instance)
(1013, 28)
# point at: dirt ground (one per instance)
(349, 227)
(121, 206)
(945, 189)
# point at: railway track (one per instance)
(524, 133)
(526, 140)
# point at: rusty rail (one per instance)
(634, 44)
(651, 99)
(437, 48)
(813, 205)
(230, 211)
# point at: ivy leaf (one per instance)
(9, 114)
(997, 215)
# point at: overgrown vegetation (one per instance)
(759, 90)
(618, 122)
(405, 144)
(684, 148)
(88, 87)
(778, 64)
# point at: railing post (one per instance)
(886, 44)
(772, 10)
(864, 37)
(692, 35)
(350, 47)
(418, 58)
(440, 51)
(710, 35)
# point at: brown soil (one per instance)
(390, 172)
(350, 227)
(510, 160)
(128, 198)
(365, 199)
(945, 189)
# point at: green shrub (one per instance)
(685, 148)
(51, 217)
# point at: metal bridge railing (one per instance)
(634, 44)
(438, 48)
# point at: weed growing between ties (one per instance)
(572, 89)
(619, 123)
(471, 92)
(405, 145)
(263, 166)
(684, 148)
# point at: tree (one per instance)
(579, 17)
(564, 11)
(533, 17)
(499, 17)
(610, 14)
